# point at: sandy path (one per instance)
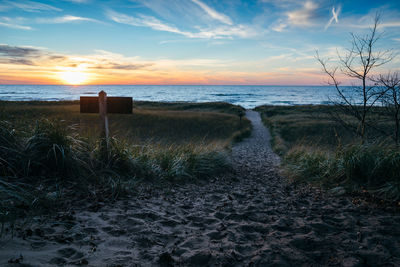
(250, 217)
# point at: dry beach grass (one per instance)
(317, 149)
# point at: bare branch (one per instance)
(357, 63)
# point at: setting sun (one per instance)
(74, 77)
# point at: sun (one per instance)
(73, 77)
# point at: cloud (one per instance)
(64, 19)
(143, 21)
(14, 23)
(15, 26)
(302, 17)
(18, 55)
(117, 66)
(202, 33)
(18, 51)
(223, 32)
(27, 55)
(16, 61)
(335, 15)
(389, 24)
(213, 13)
(31, 6)
(182, 10)
(356, 25)
(280, 26)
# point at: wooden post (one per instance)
(103, 112)
(103, 117)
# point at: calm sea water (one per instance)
(246, 96)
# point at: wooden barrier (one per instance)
(120, 105)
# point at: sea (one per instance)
(248, 96)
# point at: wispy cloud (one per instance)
(279, 26)
(390, 24)
(301, 17)
(64, 19)
(143, 21)
(358, 25)
(18, 51)
(117, 66)
(213, 13)
(335, 15)
(156, 24)
(31, 6)
(222, 32)
(18, 54)
(15, 26)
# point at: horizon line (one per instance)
(173, 84)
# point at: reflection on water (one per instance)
(246, 96)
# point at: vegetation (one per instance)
(390, 84)
(357, 64)
(151, 122)
(320, 150)
(354, 144)
(50, 152)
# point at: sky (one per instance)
(259, 42)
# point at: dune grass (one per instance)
(320, 150)
(150, 122)
(49, 152)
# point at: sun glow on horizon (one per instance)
(73, 77)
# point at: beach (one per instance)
(250, 216)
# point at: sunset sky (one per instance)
(271, 42)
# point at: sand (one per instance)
(249, 217)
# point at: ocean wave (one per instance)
(283, 102)
(327, 102)
(222, 94)
(8, 93)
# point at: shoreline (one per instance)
(246, 96)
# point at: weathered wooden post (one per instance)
(103, 123)
(103, 113)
